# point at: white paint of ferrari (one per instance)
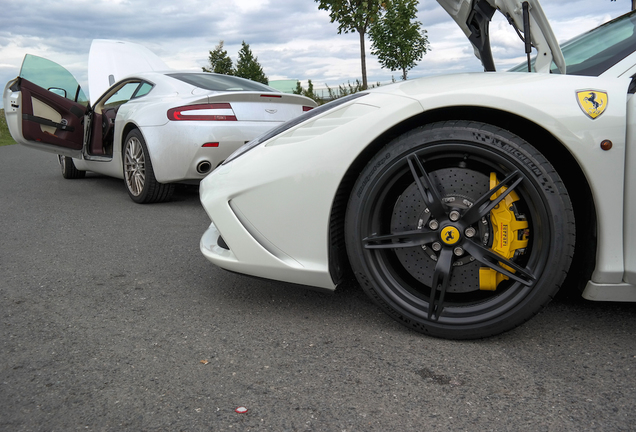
(550, 101)
(307, 174)
(308, 168)
(629, 197)
(610, 292)
(624, 68)
(111, 60)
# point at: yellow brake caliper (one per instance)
(509, 234)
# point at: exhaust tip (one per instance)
(204, 167)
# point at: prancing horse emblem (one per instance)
(592, 102)
(450, 235)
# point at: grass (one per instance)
(5, 136)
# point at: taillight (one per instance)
(203, 112)
(307, 108)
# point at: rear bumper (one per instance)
(176, 148)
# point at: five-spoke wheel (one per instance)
(460, 230)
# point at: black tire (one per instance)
(139, 176)
(69, 171)
(394, 226)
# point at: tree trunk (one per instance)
(363, 60)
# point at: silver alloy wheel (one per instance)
(134, 166)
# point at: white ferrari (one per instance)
(459, 202)
(145, 123)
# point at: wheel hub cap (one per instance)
(450, 235)
(134, 166)
(459, 189)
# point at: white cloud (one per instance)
(292, 39)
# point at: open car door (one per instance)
(45, 108)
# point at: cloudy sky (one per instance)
(291, 38)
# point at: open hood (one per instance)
(109, 61)
(473, 17)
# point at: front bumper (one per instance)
(260, 262)
(272, 206)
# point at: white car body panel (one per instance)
(174, 163)
(12, 101)
(258, 200)
(625, 68)
(565, 120)
(629, 197)
(242, 188)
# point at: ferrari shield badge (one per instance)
(592, 102)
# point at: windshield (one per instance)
(219, 82)
(53, 77)
(594, 52)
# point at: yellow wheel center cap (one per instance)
(450, 235)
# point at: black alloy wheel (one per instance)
(460, 230)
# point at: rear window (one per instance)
(217, 82)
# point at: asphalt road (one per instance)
(112, 320)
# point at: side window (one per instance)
(53, 77)
(123, 95)
(143, 90)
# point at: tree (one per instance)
(299, 90)
(248, 67)
(353, 16)
(345, 90)
(397, 39)
(220, 62)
